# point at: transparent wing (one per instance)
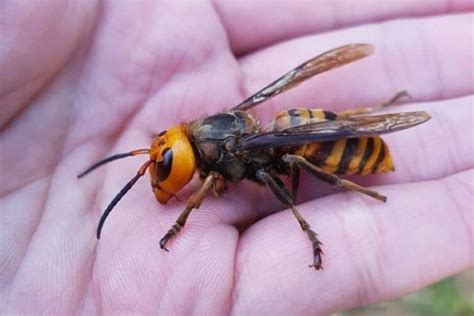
(324, 62)
(359, 126)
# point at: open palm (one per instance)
(81, 80)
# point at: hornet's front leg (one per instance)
(285, 197)
(213, 180)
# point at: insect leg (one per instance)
(330, 177)
(193, 202)
(285, 197)
(295, 181)
(359, 111)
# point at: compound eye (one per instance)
(163, 168)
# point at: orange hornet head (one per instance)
(173, 162)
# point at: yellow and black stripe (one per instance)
(363, 155)
(298, 117)
(350, 156)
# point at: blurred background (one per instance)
(450, 297)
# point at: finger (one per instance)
(36, 40)
(423, 234)
(253, 25)
(430, 58)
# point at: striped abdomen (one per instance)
(363, 155)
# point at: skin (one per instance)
(81, 80)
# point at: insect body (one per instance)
(233, 146)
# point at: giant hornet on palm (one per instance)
(232, 146)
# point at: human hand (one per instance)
(81, 80)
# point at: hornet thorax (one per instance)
(215, 139)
